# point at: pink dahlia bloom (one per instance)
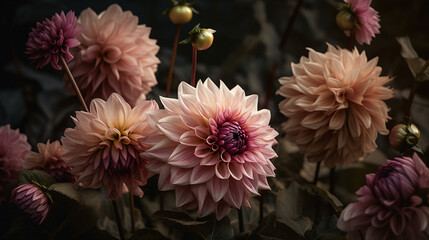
(52, 38)
(50, 159)
(367, 19)
(334, 102)
(215, 150)
(32, 201)
(116, 55)
(103, 149)
(390, 206)
(14, 148)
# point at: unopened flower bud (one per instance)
(32, 201)
(404, 136)
(346, 20)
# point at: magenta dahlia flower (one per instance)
(32, 201)
(390, 206)
(116, 55)
(367, 20)
(50, 159)
(334, 102)
(52, 38)
(103, 148)
(215, 150)
(14, 148)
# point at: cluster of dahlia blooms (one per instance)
(103, 148)
(334, 102)
(215, 148)
(393, 204)
(116, 55)
(50, 159)
(14, 148)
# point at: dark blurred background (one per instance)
(246, 42)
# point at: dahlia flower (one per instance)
(215, 149)
(50, 159)
(53, 37)
(116, 55)
(334, 102)
(390, 206)
(14, 148)
(32, 201)
(103, 148)
(367, 20)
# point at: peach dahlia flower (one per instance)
(216, 147)
(50, 159)
(103, 148)
(14, 148)
(334, 102)
(115, 55)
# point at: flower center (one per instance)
(385, 171)
(231, 138)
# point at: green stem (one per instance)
(173, 60)
(316, 173)
(118, 219)
(73, 83)
(240, 220)
(194, 65)
(133, 220)
(414, 88)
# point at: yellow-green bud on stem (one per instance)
(404, 136)
(180, 14)
(346, 20)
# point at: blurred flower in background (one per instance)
(50, 159)
(14, 148)
(116, 55)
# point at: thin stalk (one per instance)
(332, 181)
(73, 83)
(133, 220)
(270, 83)
(351, 40)
(118, 219)
(261, 207)
(214, 226)
(240, 220)
(173, 60)
(361, 235)
(194, 65)
(414, 88)
(316, 173)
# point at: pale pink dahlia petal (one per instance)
(14, 148)
(32, 201)
(390, 206)
(334, 102)
(53, 38)
(368, 20)
(50, 159)
(103, 148)
(215, 149)
(116, 55)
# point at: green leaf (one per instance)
(222, 230)
(325, 195)
(326, 229)
(291, 208)
(147, 233)
(185, 41)
(41, 177)
(180, 218)
(273, 229)
(410, 55)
